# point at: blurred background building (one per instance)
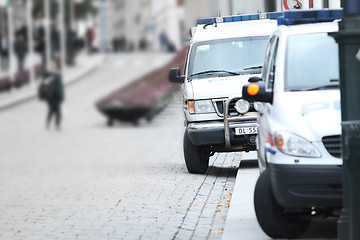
(138, 24)
(32, 32)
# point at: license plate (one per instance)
(245, 130)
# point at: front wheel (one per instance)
(270, 215)
(196, 158)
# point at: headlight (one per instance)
(242, 106)
(295, 145)
(257, 106)
(202, 106)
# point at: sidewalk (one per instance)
(241, 222)
(13, 64)
(84, 65)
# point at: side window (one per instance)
(270, 63)
(267, 59)
(271, 78)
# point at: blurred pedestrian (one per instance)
(142, 44)
(70, 46)
(90, 36)
(20, 47)
(171, 47)
(55, 41)
(4, 51)
(40, 43)
(164, 41)
(123, 43)
(115, 44)
(55, 94)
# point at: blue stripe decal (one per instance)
(269, 150)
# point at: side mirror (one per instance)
(175, 76)
(254, 80)
(255, 92)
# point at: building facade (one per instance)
(140, 22)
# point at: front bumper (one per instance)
(212, 133)
(306, 186)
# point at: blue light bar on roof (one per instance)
(309, 16)
(206, 21)
(283, 18)
(249, 17)
(236, 18)
(232, 19)
(274, 15)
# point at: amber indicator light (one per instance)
(191, 106)
(253, 89)
(279, 142)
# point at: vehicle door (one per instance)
(265, 137)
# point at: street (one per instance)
(89, 181)
(276, 80)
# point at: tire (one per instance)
(196, 159)
(269, 214)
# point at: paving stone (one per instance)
(92, 182)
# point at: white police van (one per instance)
(224, 52)
(299, 124)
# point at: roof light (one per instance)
(284, 18)
(232, 19)
(236, 18)
(262, 15)
(309, 16)
(219, 20)
(206, 21)
(274, 15)
(248, 17)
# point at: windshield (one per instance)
(312, 63)
(227, 57)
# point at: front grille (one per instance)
(333, 145)
(219, 104)
(232, 111)
(220, 107)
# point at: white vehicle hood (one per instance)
(219, 87)
(310, 114)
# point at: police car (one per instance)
(224, 52)
(299, 145)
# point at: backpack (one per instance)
(46, 89)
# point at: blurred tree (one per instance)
(81, 8)
(38, 8)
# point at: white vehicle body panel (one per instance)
(299, 133)
(309, 114)
(221, 87)
(303, 113)
(263, 27)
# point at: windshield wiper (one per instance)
(214, 71)
(252, 68)
(328, 86)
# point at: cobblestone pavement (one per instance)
(89, 181)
